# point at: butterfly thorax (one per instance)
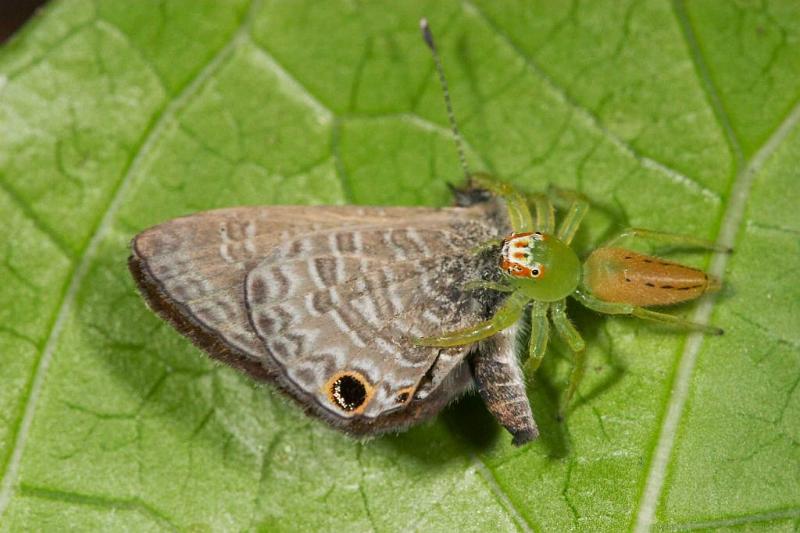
(541, 265)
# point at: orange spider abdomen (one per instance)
(623, 276)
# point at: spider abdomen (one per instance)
(623, 276)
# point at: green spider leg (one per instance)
(540, 334)
(489, 285)
(508, 314)
(613, 308)
(666, 238)
(577, 207)
(545, 214)
(518, 213)
(570, 335)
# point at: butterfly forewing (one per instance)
(326, 301)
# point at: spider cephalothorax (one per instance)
(540, 264)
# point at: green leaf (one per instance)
(115, 116)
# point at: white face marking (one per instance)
(517, 256)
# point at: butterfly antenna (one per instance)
(428, 37)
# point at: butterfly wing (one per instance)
(325, 301)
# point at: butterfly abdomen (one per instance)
(623, 276)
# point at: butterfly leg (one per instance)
(613, 308)
(508, 313)
(501, 384)
(575, 342)
(518, 213)
(666, 238)
(540, 334)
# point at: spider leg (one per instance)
(578, 207)
(540, 334)
(614, 308)
(667, 238)
(518, 213)
(485, 246)
(489, 285)
(575, 342)
(508, 313)
(545, 214)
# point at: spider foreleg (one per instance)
(545, 214)
(577, 208)
(518, 213)
(477, 284)
(508, 313)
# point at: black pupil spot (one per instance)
(402, 397)
(349, 392)
(535, 272)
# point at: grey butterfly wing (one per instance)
(322, 312)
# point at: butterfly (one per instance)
(325, 302)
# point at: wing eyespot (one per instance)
(350, 391)
(404, 395)
(537, 271)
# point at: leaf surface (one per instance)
(115, 116)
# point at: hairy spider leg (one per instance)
(545, 213)
(506, 316)
(489, 285)
(577, 207)
(518, 213)
(570, 335)
(667, 238)
(612, 308)
(540, 334)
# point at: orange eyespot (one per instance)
(537, 271)
(349, 391)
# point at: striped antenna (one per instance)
(428, 37)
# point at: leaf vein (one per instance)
(732, 222)
(149, 139)
(706, 81)
(591, 120)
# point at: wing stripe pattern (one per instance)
(367, 306)
(309, 293)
